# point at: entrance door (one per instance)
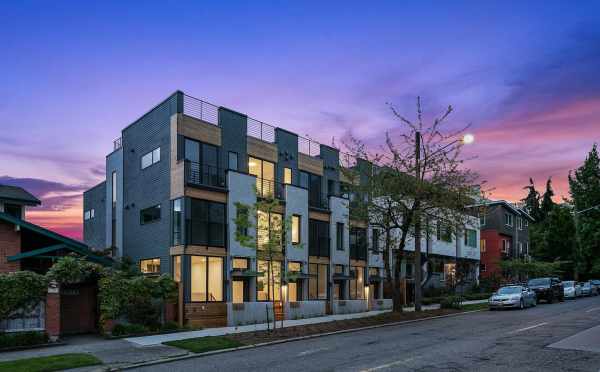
(238, 291)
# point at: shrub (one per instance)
(169, 326)
(477, 296)
(21, 289)
(451, 302)
(71, 270)
(9, 340)
(129, 329)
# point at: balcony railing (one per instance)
(200, 109)
(320, 201)
(117, 144)
(260, 130)
(308, 146)
(269, 189)
(204, 175)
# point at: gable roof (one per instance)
(63, 242)
(18, 194)
(506, 204)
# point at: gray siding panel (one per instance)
(148, 187)
(94, 228)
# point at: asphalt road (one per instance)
(510, 340)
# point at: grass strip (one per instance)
(50, 363)
(204, 344)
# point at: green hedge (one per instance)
(21, 289)
(16, 339)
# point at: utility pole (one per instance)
(418, 223)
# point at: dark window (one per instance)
(150, 215)
(358, 243)
(233, 160)
(192, 150)
(318, 238)
(15, 210)
(339, 241)
(207, 223)
(375, 242)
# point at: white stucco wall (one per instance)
(339, 213)
(349, 306)
(305, 309)
(252, 313)
(296, 203)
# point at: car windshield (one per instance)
(509, 290)
(586, 284)
(540, 281)
(569, 284)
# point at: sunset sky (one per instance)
(72, 75)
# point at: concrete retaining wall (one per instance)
(349, 306)
(385, 304)
(305, 309)
(249, 313)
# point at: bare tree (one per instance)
(412, 185)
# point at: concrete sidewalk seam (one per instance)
(292, 339)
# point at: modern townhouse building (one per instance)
(504, 235)
(174, 185)
(170, 200)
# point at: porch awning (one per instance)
(246, 273)
(41, 253)
(342, 277)
(293, 276)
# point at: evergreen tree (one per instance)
(532, 200)
(547, 202)
(584, 187)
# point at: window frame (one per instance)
(154, 158)
(204, 223)
(339, 236)
(237, 160)
(149, 259)
(207, 277)
(298, 218)
(158, 206)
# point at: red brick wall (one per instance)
(53, 326)
(10, 245)
(493, 253)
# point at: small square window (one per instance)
(150, 266)
(150, 215)
(240, 263)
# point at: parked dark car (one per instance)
(596, 283)
(548, 289)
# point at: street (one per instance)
(484, 341)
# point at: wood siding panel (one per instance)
(320, 216)
(310, 164)
(206, 315)
(216, 196)
(198, 130)
(262, 149)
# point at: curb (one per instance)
(292, 339)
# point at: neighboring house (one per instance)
(26, 246)
(504, 235)
(169, 203)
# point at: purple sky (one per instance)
(526, 75)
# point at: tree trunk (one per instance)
(397, 298)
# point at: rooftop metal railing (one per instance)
(260, 130)
(117, 144)
(200, 109)
(308, 146)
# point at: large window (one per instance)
(317, 284)
(150, 266)
(265, 176)
(296, 229)
(177, 269)
(177, 222)
(269, 231)
(203, 167)
(312, 182)
(268, 286)
(149, 215)
(471, 238)
(318, 238)
(207, 223)
(150, 158)
(357, 283)
(287, 176)
(358, 243)
(339, 236)
(207, 279)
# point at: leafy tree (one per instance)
(519, 270)
(257, 217)
(555, 237)
(584, 187)
(418, 180)
(21, 290)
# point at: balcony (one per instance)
(318, 200)
(269, 189)
(197, 174)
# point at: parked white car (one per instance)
(571, 289)
(513, 296)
